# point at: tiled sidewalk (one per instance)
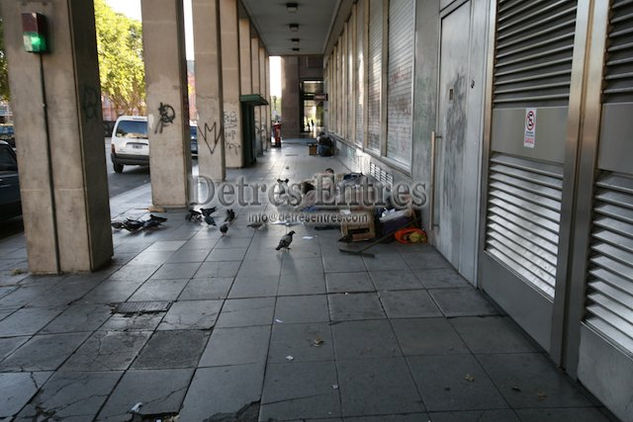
(242, 332)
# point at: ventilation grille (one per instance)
(533, 56)
(375, 72)
(524, 205)
(618, 84)
(380, 174)
(610, 278)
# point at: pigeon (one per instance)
(282, 185)
(117, 225)
(224, 228)
(257, 225)
(208, 211)
(193, 215)
(209, 220)
(285, 241)
(230, 216)
(153, 222)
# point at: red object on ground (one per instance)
(277, 135)
(411, 235)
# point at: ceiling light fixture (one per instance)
(292, 7)
(294, 27)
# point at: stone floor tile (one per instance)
(226, 254)
(247, 312)
(148, 257)
(138, 322)
(355, 306)
(427, 336)
(218, 269)
(287, 395)
(166, 245)
(6, 312)
(254, 286)
(365, 339)
(159, 290)
(348, 282)
(25, 295)
(112, 291)
(297, 309)
(188, 255)
(377, 387)
(236, 346)
(44, 352)
(304, 342)
(427, 260)
(342, 263)
(232, 388)
(454, 382)
(409, 304)
(562, 415)
(462, 302)
(172, 349)
(298, 266)
(207, 288)
(305, 284)
(184, 270)
(71, 396)
(441, 278)
(412, 417)
(27, 321)
(492, 334)
(395, 280)
(160, 391)
(384, 262)
(137, 272)
(530, 380)
(10, 344)
(497, 415)
(107, 351)
(17, 389)
(231, 242)
(191, 315)
(79, 317)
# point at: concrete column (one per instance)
(268, 107)
(246, 86)
(230, 47)
(209, 102)
(61, 154)
(290, 97)
(256, 90)
(262, 90)
(167, 101)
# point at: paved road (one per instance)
(131, 177)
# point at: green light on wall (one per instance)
(34, 33)
(34, 42)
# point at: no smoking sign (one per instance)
(529, 137)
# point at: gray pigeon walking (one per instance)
(224, 228)
(285, 241)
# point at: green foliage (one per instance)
(4, 72)
(121, 67)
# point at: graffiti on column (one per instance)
(167, 116)
(230, 131)
(90, 102)
(217, 135)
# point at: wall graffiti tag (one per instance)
(167, 116)
(217, 135)
(230, 131)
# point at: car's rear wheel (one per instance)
(118, 168)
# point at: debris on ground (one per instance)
(278, 321)
(334, 386)
(515, 388)
(469, 378)
(17, 271)
(290, 357)
(156, 209)
(317, 342)
(541, 395)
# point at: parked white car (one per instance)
(129, 145)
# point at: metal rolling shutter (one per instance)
(533, 53)
(375, 72)
(610, 271)
(400, 91)
(360, 78)
(350, 79)
(618, 80)
(523, 221)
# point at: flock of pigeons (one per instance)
(136, 225)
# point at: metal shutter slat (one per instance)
(400, 77)
(523, 219)
(618, 86)
(375, 72)
(361, 34)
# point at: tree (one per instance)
(121, 67)
(4, 72)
